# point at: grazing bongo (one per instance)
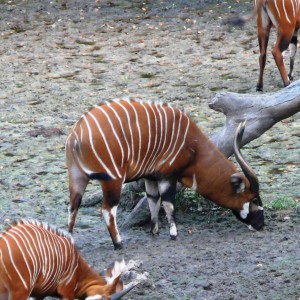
(285, 16)
(126, 140)
(38, 260)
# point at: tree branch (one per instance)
(260, 111)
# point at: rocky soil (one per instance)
(59, 58)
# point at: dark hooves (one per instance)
(259, 88)
(118, 246)
(173, 237)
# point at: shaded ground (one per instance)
(58, 60)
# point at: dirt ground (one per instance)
(59, 58)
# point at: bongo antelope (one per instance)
(284, 15)
(38, 260)
(126, 140)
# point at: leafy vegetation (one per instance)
(283, 203)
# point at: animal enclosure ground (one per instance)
(59, 58)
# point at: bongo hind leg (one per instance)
(77, 185)
(167, 190)
(154, 202)
(111, 197)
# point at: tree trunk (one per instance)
(261, 112)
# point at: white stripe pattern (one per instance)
(94, 150)
(143, 136)
(114, 131)
(38, 252)
(285, 12)
(105, 141)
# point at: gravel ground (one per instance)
(59, 58)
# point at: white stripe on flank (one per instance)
(46, 249)
(13, 263)
(106, 143)
(114, 131)
(16, 231)
(4, 267)
(130, 130)
(166, 126)
(34, 259)
(81, 133)
(294, 12)
(152, 158)
(286, 14)
(161, 127)
(36, 240)
(122, 128)
(37, 244)
(275, 1)
(84, 169)
(74, 264)
(149, 142)
(94, 150)
(68, 280)
(50, 279)
(176, 141)
(158, 148)
(172, 136)
(77, 141)
(183, 142)
(68, 138)
(139, 133)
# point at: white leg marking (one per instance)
(114, 211)
(293, 50)
(114, 214)
(173, 230)
(105, 214)
(272, 18)
(163, 186)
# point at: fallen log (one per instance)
(261, 112)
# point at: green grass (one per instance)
(283, 203)
(191, 201)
